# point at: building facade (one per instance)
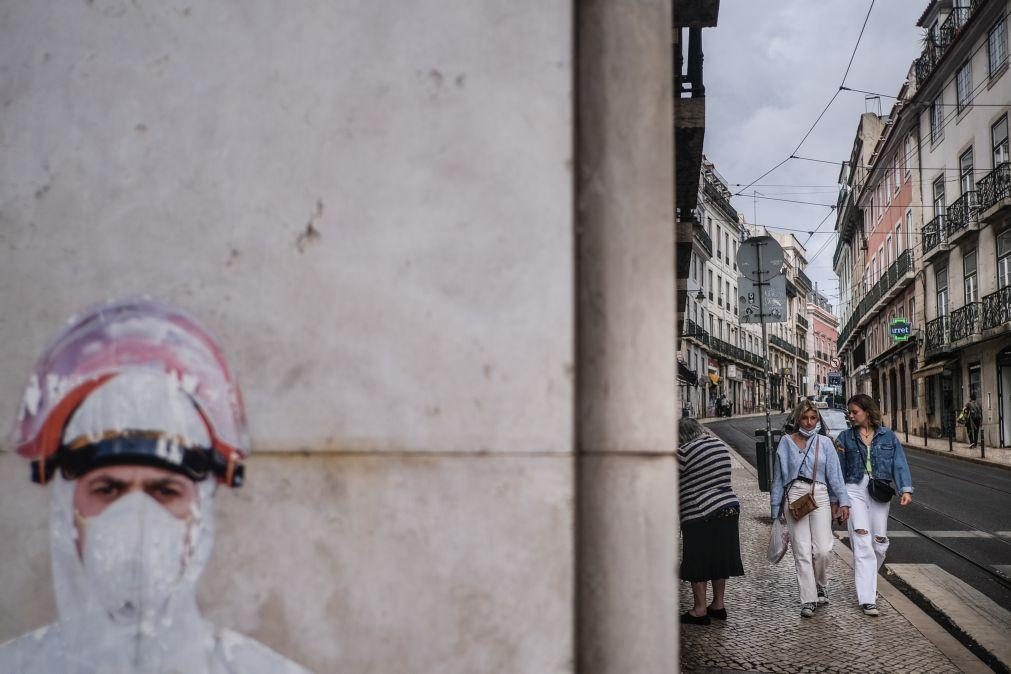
(931, 235)
(823, 366)
(718, 357)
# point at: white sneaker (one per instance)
(870, 609)
(807, 611)
(822, 597)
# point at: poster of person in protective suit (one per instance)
(132, 420)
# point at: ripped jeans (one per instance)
(868, 529)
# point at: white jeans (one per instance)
(868, 548)
(811, 540)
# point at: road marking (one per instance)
(986, 623)
(1003, 569)
(905, 533)
(1003, 534)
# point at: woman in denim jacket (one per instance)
(796, 473)
(870, 450)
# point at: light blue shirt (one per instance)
(791, 462)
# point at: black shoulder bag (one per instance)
(880, 490)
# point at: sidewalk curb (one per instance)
(953, 455)
(951, 647)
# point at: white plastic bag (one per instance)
(779, 540)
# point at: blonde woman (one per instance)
(807, 463)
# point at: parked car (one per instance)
(820, 403)
(835, 422)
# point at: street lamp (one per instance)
(701, 296)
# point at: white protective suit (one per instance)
(135, 544)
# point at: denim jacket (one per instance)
(888, 458)
(788, 465)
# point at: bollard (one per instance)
(924, 435)
(762, 460)
(982, 440)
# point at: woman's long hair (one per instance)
(868, 405)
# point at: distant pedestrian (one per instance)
(875, 468)
(711, 547)
(973, 419)
(807, 464)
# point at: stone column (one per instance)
(626, 499)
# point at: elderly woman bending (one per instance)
(709, 509)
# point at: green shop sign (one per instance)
(900, 329)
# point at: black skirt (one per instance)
(711, 549)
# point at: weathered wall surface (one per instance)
(370, 204)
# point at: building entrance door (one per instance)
(1004, 397)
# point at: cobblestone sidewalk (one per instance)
(765, 633)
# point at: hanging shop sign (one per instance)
(900, 329)
(714, 378)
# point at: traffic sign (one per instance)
(773, 300)
(764, 247)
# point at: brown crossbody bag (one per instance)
(805, 504)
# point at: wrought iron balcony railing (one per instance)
(781, 343)
(802, 321)
(704, 239)
(934, 234)
(694, 330)
(964, 322)
(946, 35)
(994, 186)
(996, 308)
(961, 214)
(936, 334)
(803, 281)
(803, 355)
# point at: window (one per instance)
(907, 154)
(963, 86)
(888, 186)
(912, 310)
(873, 213)
(895, 174)
(719, 322)
(719, 239)
(710, 285)
(709, 227)
(729, 296)
(939, 197)
(734, 242)
(965, 171)
(888, 251)
(975, 382)
(998, 139)
(936, 119)
(711, 322)
(909, 229)
(969, 269)
(881, 261)
(1004, 259)
(996, 46)
(726, 247)
(898, 240)
(942, 292)
(719, 289)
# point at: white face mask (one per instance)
(134, 557)
(813, 431)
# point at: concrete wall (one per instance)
(371, 205)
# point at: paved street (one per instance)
(957, 529)
(765, 633)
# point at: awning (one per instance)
(714, 378)
(686, 376)
(932, 369)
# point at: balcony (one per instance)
(803, 355)
(962, 218)
(993, 191)
(782, 344)
(803, 282)
(935, 238)
(937, 336)
(694, 331)
(802, 322)
(965, 322)
(996, 308)
(702, 237)
(935, 50)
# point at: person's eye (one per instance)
(167, 492)
(105, 489)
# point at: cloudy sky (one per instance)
(770, 69)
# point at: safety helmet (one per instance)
(133, 381)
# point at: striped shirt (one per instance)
(704, 478)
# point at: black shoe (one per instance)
(688, 619)
(718, 613)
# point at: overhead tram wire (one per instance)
(835, 95)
